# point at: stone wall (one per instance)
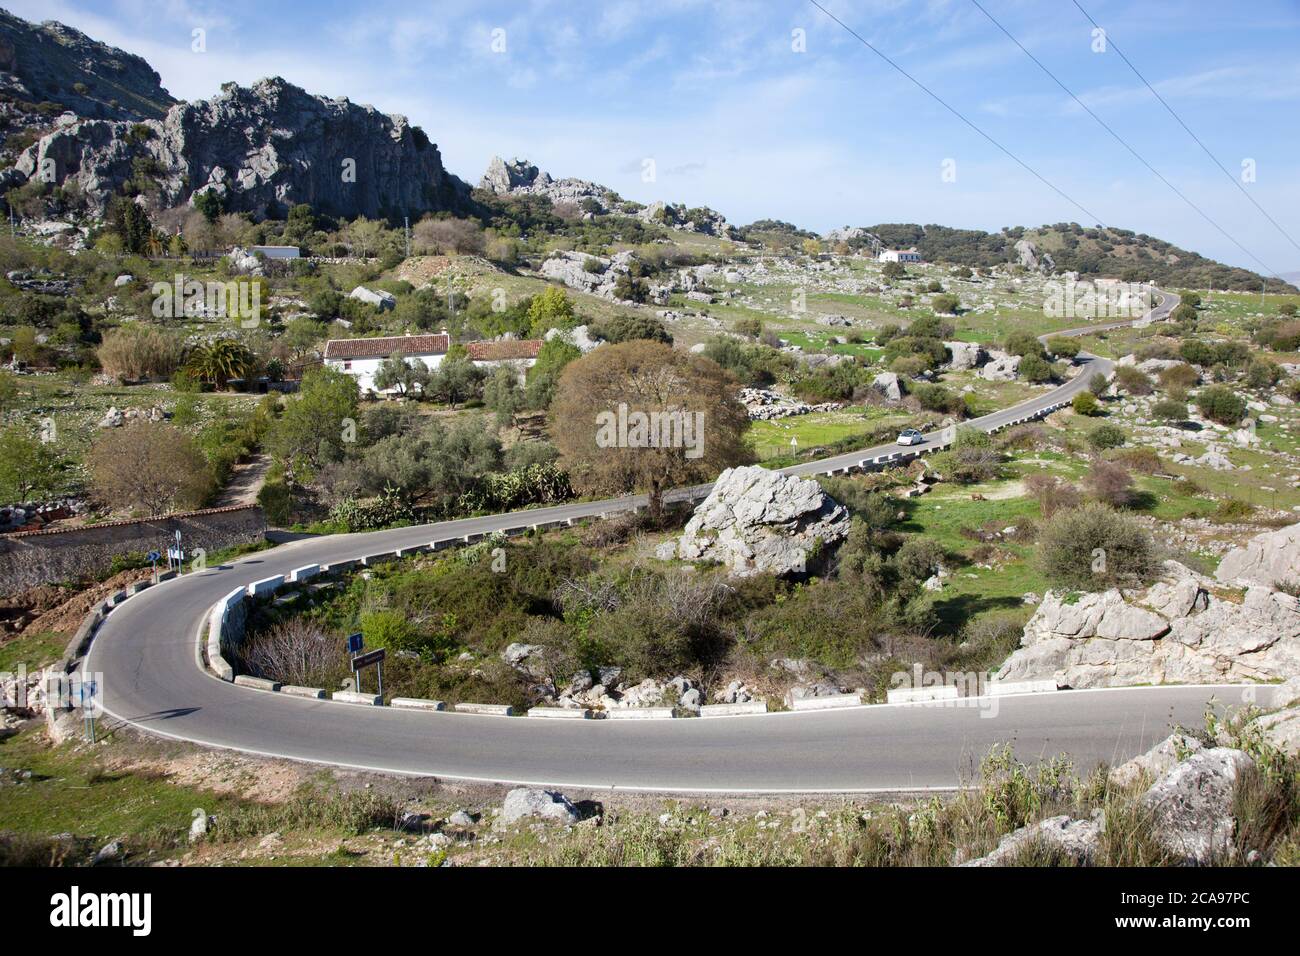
(29, 559)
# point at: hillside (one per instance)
(1065, 247)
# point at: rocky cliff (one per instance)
(48, 68)
(262, 149)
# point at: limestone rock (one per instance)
(1156, 762)
(758, 521)
(1001, 367)
(1191, 804)
(887, 384)
(529, 802)
(1063, 837)
(965, 355)
(1269, 559)
(383, 301)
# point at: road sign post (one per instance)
(359, 661)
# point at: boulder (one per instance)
(528, 802)
(756, 521)
(887, 384)
(383, 301)
(1156, 762)
(1061, 837)
(1191, 805)
(965, 355)
(1269, 559)
(1000, 367)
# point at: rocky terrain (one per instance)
(262, 149)
(1187, 628)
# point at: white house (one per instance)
(899, 255)
(361, 358)
(519, 354)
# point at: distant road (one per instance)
(145, 652)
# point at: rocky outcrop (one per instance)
(756, 521)
(1156, 762)
(261, 149)
(48, 67)
(521, 176)
(965, 355)
(1178, 631)
(1000, 367)
(704, 220)
(887, 384)
(528, 803)
(1270, 559)
(1027, 255)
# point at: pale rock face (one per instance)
(380, 300)
(1001, 367)
(521, 176)
(1177, 631)
(757, 521)
(887, 383)
(1191, 804)
(1268, 559)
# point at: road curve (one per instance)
(144, 653)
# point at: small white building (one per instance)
(899, 255)
(361, 358)
(519, 354)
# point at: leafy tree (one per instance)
(550, 309)
(1035, 368)
(455, 380)
(1063, 346)
(209, 203)
(401, 376)
(1023, 343)
(502, 394)
(318, 424)
(544, 375)
(29, 467)
(1085, 403)
(1098, 384)
(151, 467)
(616, 381)
(1106, 436)
(628, 328)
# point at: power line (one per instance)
(1092, 217)
(1233, 179)
(1119, 139)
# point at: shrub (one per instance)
(1085, 403)
(1035, 368)
(1170, 410)
(1106, 436)
(1098, 384)
(150, 466)
(140, 351)
(1110, 483)
(297, 650)
(1221, 405)
(1023, 343)
(1093, 547)
(1133, 380)
(945, 304)
(1263, 373)
(1052, 493)
(1181, 376)
(1063, 346)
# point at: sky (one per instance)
(770, 109)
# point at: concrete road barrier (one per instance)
(910, 695)
(640, 713)
(294, 690)
(384, 557)
(352, 697)
(1002, 688)
(417, 703)
(496, 710)
(827, 703)
(258, 683)
(733, 710)
(571, 713)
(265, 586)
(305, 573)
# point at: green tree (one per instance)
(1221, 405)
(550, 309)
(1093, 547)
(502, 394)
(544, 376)
(29, 467)
(399, 375)
(220, 361)
(319, 424)
(1085, 403)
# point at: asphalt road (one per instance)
(145, 655)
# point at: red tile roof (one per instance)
(407, 345)
(504, 350)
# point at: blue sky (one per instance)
(734, 118)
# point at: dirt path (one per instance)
(245, 483)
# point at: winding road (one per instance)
(144, 653)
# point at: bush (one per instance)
(1094, 547)
(1110, 483)
(1170, 410)
(1098, 384)
(1133, 380)
(1052, 493)
(138, 351)
(1106, 436)
(1181, 376)
(945, 304)
(150, 467)
(1035, 368)
(1023, 343)
(1263, 373)
(1221, 405)
(1085, 403)
(1063, 346)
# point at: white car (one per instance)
(910, 436)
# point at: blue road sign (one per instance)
(354, 643)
